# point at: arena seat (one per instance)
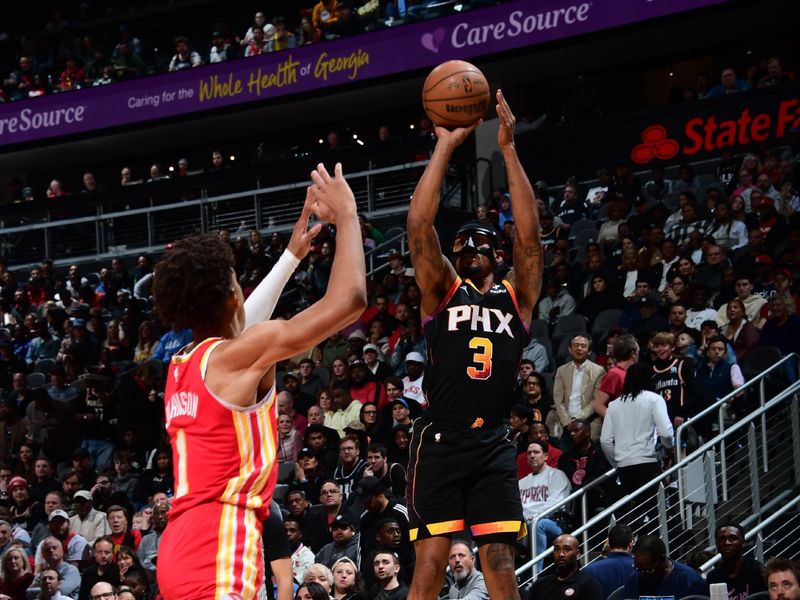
(582, 225)
(568, 325)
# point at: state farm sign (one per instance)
(711, 133)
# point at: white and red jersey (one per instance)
(221, 452)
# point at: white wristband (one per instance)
(259, 305)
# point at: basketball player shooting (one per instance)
(462, 472)
(220, 393)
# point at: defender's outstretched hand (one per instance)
(300, 242)
(505, 134)
(332, 196)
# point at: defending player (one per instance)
(220, 397)
(461, 469)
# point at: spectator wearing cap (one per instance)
(301, 400)
(84, 346)
(220, 49)
(356, 340)
(363, 387)
(324, 441)
(401, 414)
(345, 410)
(77, 550)
(370, 495)
(53, 560)
(308, 474)
(373, 360)
(103, 569)
(23, 510)
(88, 522)
(15, 428)
(411, 340)
(391, 475)
(346, 542)
(52, 501)
(412, 381)
(349, 22)
(282, 38)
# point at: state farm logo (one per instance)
(710, 133)
(655, 144)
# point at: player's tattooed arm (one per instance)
(528, 255)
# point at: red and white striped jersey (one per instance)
(221, 452)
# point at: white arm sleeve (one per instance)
(259, 305)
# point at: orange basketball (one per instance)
(455, 94)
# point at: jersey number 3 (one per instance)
(483, 357)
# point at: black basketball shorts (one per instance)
(462, 477)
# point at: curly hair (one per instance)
(193, 281)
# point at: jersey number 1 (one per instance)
(483, 357)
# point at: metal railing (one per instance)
(759, 491)
(719, 407)
(757, 532)
(125, 231)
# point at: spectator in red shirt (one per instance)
(625, 353)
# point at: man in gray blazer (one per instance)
(575, 385)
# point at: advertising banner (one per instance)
(680, 134)
(321, 66)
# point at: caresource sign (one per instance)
(324, 66)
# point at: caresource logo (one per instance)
(711, 134)
(514, 24)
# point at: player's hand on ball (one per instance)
(333, 197)
(455, 137)
(300, 242)
(505, 135)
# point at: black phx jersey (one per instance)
(475, 342)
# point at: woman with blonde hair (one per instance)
(347, 581)
(15, 573)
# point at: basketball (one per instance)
(455, 94)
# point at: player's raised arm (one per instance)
(528, 257)
(433, 271)
(261, 302)
(265, 343)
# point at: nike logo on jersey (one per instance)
(479, 318)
